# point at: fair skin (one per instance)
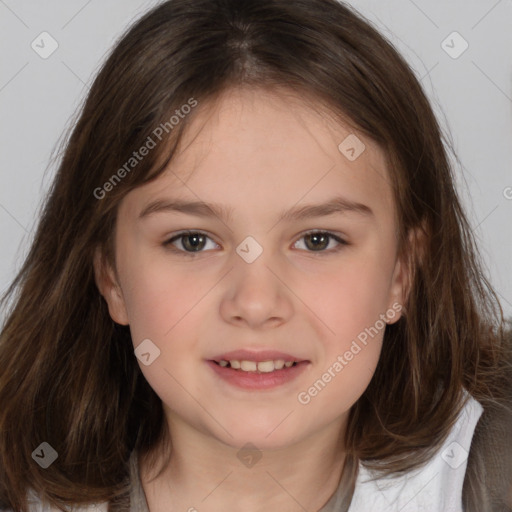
(257, 153)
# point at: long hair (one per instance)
(69, 376)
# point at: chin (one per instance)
(270, 435)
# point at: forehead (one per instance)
(260, 148)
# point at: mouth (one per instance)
(262, 361)
(261, 370)
(245, 365)
(258, 375)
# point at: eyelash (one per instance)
(183, 234)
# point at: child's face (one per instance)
(258, 155)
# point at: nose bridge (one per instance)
(253, 278)
(255, 295)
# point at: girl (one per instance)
(253, 285)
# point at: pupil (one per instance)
(319, 240)
(317, 237)
(198, 242)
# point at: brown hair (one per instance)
(70, 377)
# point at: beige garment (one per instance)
(339, 501)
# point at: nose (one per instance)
(256, 295)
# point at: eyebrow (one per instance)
(201, 209)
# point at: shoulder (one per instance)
(36, 504)
(436, 485)
(488, 482)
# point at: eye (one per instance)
(318, 241)
(189, 242)
(192, 242)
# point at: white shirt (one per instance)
(436, 486)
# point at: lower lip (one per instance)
(256, 380)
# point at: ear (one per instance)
(107, 283)
(404, 271)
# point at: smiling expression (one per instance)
(257, 173)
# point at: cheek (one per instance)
(344, 379)
(349, 299)
(352, 343)
(158, 296)
(164, 306)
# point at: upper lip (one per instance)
(256, 356)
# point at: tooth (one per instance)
(253, 366)
(266, 366)
(248, 366)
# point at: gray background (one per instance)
(471, 95)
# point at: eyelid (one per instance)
(332, 235)
(338, 237)
(168, 243)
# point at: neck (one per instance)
(207, 475)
